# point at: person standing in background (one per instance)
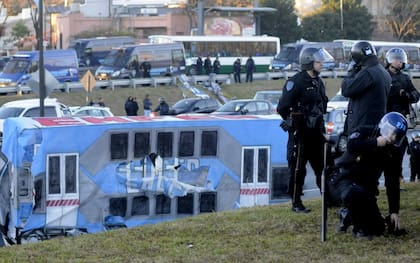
(250, 69)
(207, 65)
(147, 105)
(199, 66)
(237, 70)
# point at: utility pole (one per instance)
(341, 15)
(200, 13)
(42, 92)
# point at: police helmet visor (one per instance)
(322, 55)
(415, 135)
(396, 54)
(394, 130)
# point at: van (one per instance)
(288, 58)
(31, 108)
(61, 63)
(92, 51)
(165, 59)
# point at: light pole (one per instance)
(42, 92)
(341, 14)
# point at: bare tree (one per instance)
(404, 18)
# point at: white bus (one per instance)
(227, 48)
(411, 48)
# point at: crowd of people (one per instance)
(131, 106)
(376, 127)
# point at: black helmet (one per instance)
(361, 50)
(311, 54)
(396, 54)
(393, 126)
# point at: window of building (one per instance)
(207, 202)
(186, 204)
(163, 204)
(118, 206)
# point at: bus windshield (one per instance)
(16, 66)
(116, 59)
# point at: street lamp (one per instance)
(341, 13)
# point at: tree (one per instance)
(20, 30)
(404, 19)
(325, 24)
(281, 23)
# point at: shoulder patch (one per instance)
(354, 135)
(289, 85)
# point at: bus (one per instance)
(165, 59)
(61, 63)
(133, 170)
(288, 58)
(226, 48)
(411, 48)
(92, 51)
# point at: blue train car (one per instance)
(63, 176)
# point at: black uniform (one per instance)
(355, 182)
(306, 95)
(207, 65)
(237, 71)
(401, 95)
(367, 89)
(199, 66)
(163, 108)
(414, 152)
(216, 66)
(250, 68)
(146, 67)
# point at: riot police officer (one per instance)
(367, 87)
(355, 183)
(401, 95)
(304, 102)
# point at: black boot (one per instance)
(298, 207)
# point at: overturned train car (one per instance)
(67, 176)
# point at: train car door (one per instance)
(255, 176)
(62, 189)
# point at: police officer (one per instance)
(367, 87)
(146, 67)
(304, 101)
(355, 183)
(401, 95)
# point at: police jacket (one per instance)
(304, 94)
(363, 159)
(402, 93)
(367, 90)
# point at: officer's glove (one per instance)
(285, 126)
(354, 68)
(403, 93)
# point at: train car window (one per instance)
(70, 174)
(54, 175)
(119, 146)
(141, 144)
(248, 166)
(207, 202)
(262, 165)
(186, 144)
(140, 206)
(186, 204)
(118, 206)
(163, 204)
(209, 143)
(165, 144)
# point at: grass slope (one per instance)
(259, 234)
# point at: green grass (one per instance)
(259, 234)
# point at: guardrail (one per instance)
(157, 81)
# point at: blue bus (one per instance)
(127, 171)
(92, 51)
(165, 59)
(61, 63)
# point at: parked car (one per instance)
(245, 107)
(195, 105)
(97, 111)
(31, 108)
(272, 96)
(338, 101)
(334, 127)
